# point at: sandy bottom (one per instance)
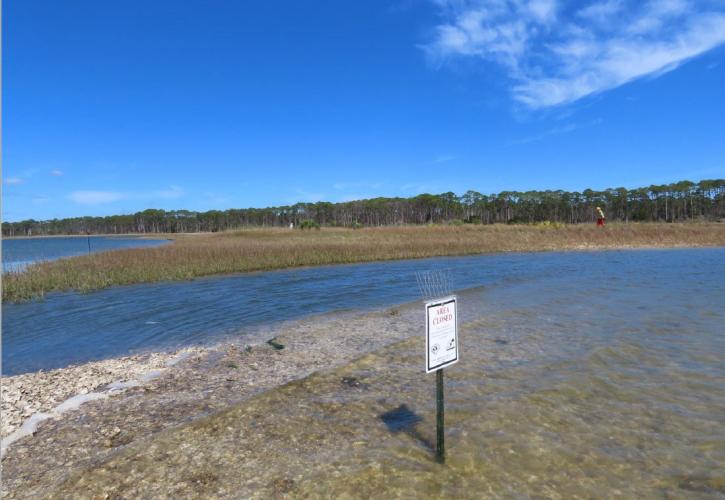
(141, 396)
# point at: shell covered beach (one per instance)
(200, 382)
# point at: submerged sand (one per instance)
(167, 390)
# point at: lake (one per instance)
(20, 252)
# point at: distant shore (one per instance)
(153, 236)
(262, 249)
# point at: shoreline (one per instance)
(42, 392)
(191, 256)
(583, 248)
(132, 398)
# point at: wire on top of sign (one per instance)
(434, 284)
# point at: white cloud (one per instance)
(601, 11)
(554, 59)
(542, 10)
(56, 173)
(13, 181)
(657, 13)
(95, 197)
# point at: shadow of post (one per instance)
(403, 419)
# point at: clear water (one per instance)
(603, 379)
(670, 298)
(19, 253)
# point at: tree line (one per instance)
(681, 201)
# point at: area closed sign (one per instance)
(441, 333)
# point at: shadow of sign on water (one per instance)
(403, 419)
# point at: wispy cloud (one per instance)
(13, 181)
(95, 197)
(102, 197)
(601, 11)
(564, 129)
(555, 54)
(56, 173)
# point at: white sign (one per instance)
(441, 334)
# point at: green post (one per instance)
(440, 434)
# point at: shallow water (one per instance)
(569, 404)
(596, 375)
(19, 253)
(668, 290)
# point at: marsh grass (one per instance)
(194, 255)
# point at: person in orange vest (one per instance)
(601, 218)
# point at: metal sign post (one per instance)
(441, 351)
(440, 432)
(441, 341)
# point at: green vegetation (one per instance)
(193, 255)
(309, 224)
(678, 202)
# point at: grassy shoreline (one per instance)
(195, 255)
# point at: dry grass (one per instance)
(195, 255)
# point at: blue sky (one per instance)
(114, 107)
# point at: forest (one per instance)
(677, 202)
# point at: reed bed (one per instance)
(194, 255)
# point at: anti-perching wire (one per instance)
(434, 284)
